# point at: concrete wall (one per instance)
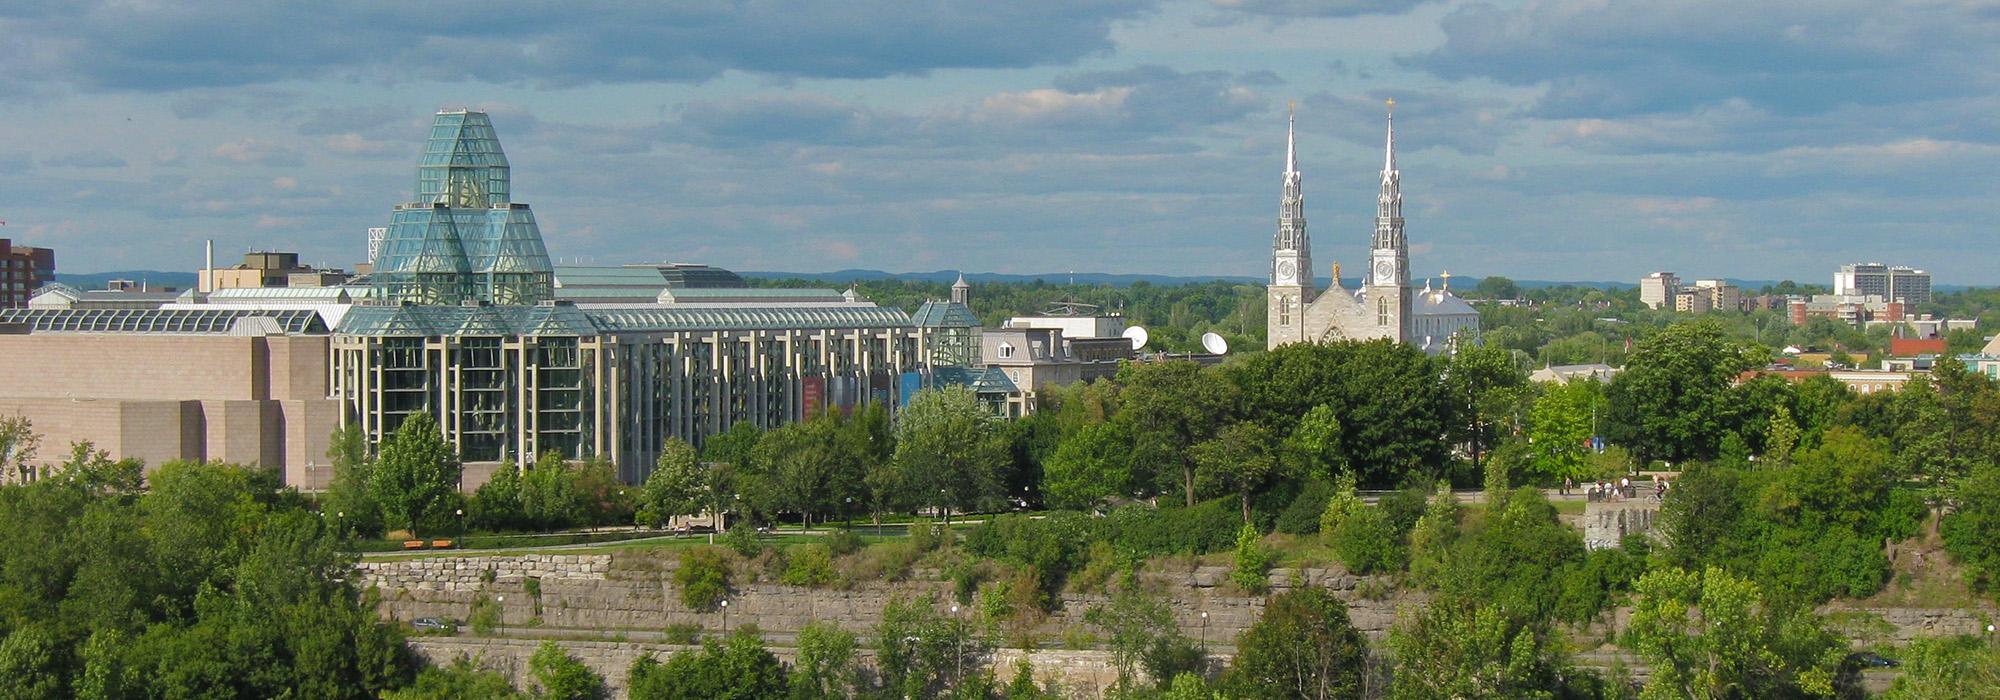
(244, 399)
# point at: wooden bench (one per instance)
(440, 544)
(413, 544)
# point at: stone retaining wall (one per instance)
(1082, 674)
(637, 593)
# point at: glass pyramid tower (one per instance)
(461, 239)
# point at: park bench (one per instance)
(440, 544)
(413, 544)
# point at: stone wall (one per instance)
(1083, 674)
(635, 593)
(1605, 523)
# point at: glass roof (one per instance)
(202, 321)
(944, 314)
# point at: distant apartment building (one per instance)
(1846, 308)
(1658, 289)
(1692, 301)
(1722, 295)
(267, 269)
(23, 270)
(1898, 283)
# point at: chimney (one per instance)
(205, 283)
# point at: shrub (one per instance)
(844, 542)
(1341, 505)
(1367, 543)
(1403, 507)
(926, 536)
(1143, 531)
(682, 633)
(485, 617)
(703, 577)
(1253, 562)
(809, 565)
(742, 537)
(1301, 517)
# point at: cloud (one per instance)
(85, 159)
(165, 46)
(255, 152)
(1611, 58)
(1425, 118)
(1317, 8)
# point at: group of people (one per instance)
(1620, 490)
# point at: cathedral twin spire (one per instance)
(1292, 249)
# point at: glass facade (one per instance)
(461, 238)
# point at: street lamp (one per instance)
(460, 513)
(725, 618)
(958, 642)
(1204, 635)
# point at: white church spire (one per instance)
(1390, 256)
(1291, 142)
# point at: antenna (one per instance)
(1214, 344)
(1138, 336)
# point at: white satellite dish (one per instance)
(1138, 336)
(1214, 344)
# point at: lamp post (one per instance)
(460, 542)
(725, 618)
(958, 644)
(1204, 635)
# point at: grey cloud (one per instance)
(85, 159)
(1608, 58)
(169, 46)
(1318, 8)
(1473, 125)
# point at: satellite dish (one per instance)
(1214, 344)
(1138, 336)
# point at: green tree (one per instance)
(1947, 667)
(1089, 467)
(1390, 398)
(678, 485)
(813, 465)
(1169, 407)
(18, 443)
(496, 505)
(1484, 385)
(1673, 401)
(418, 472)
(921, 653)
(1452, 649)
(1432, 538)
(350, 495)
(1137, 624)
(1252, 563)
(559, 676)
(1302, 647)
(1972, 530)
(826, 666)
(1781, 437)
(1238, 459)
(462, 679)
(1314, 445)
(1709, 635)
(949, 451)
(739, 668)
(1559, 431)
(551, 498)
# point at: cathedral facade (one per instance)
(1385, 305)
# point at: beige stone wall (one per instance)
(250, 400)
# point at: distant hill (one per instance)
(152, 278)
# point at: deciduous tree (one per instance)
(418, 472)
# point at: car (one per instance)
(1869, 659)
(434, 624)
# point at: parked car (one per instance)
(1869, 659)
(435, 624)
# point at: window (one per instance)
(1382, 311)
(1006, 351)
(1284, 311)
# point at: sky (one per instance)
(1546, 139)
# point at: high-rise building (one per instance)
(1894, 283)
(1386, 306)
(1722, 296)
(22, 271)
(1658, 289)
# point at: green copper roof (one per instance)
(565, 319)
